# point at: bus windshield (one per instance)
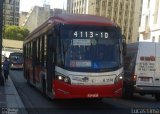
(16, 58)
(91, 47)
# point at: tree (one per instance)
(15, 32)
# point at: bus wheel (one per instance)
(157, 97)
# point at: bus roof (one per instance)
(77, 19)
(82, 19)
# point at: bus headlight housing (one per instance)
(63, 78)
(118, 78)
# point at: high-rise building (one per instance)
(35, 17)
(11, 12)
(22, 17)
(69, 6)
(150, 22)
(126, 13)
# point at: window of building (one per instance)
(17, 20)
(109, 3)
(17, 3)
(11, 13)
(153, 39)
(17, 8)
(148, 3)
(11, 8)
(147, 20)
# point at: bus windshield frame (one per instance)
(16, 58)
(88, 48)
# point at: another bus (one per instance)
(142, 73)
(16, 60)
(75, 56)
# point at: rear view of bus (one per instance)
(83, 58)
(16, 60)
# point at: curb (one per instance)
(14, 103)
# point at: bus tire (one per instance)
(157, 96)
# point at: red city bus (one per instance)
(75, 56)
(16, 60)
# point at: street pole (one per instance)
(1, 29)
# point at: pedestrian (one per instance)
(6, 65)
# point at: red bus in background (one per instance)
(75, 56)
(16, 60)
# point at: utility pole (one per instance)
(1, 29)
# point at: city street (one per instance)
(36, 103)
(82, 55)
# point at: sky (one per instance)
(26, 5)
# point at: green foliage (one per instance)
(15, 32)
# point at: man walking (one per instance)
(6, 64)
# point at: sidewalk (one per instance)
(10, 101)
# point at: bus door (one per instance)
(50, 62)
(34, 59)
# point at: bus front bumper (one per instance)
(16, 66)
(63, 90)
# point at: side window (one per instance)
(45, 50)
(26, 50)
(38, 51)
(42, 50)
(31, 49)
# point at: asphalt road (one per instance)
(36, 103)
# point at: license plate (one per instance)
(93, 95)
(103, 80)
(145, 79)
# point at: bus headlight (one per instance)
(60, 77)
(118, 78)
(63, 78)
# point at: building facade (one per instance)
(150, 22)
(37, 16)
(11, 12)
(22, 16)
(126, 13)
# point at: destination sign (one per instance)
(90, 34)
